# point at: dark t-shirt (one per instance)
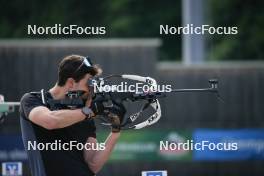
(54, 162)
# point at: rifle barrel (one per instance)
(195, 90)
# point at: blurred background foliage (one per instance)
(141, 19)
(248, 16)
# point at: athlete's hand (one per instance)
(97, 106)
(116, 116)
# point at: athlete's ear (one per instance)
(70, 83)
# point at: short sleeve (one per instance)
(27, 103)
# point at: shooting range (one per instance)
(133, 45)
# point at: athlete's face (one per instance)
(82, 85)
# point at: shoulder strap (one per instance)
(42, 95)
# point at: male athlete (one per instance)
(43, 125)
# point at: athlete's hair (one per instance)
(72, 67)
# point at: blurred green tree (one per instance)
(248, 16)
(141, 19)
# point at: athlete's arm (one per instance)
(97, 158)
(42, 116)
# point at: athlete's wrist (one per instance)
(87, 112)
(116, 134)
